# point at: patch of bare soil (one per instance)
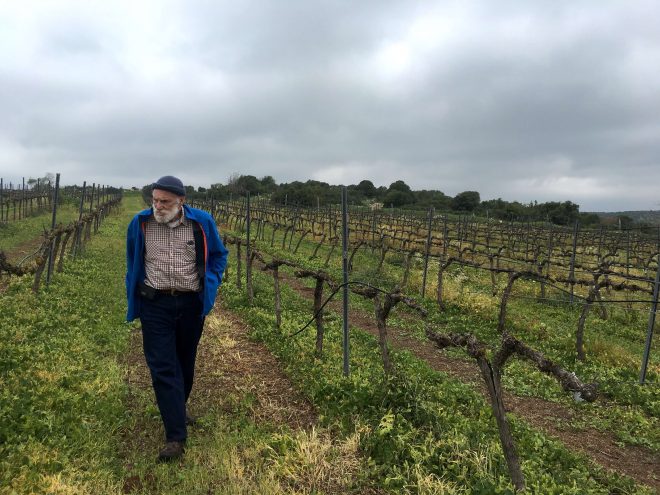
(26, 248)
(236, 364)
(230, 364)
(17, 254)
(229, 367)
(639, 463)
(136, 438)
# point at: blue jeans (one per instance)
(171, 329)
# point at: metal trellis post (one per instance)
(344, 220)
(52, 254)
(428, 250)
(571, 276)
(649, 333)
(248, 250)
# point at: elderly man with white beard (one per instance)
(175, 261)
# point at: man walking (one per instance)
(175, 261)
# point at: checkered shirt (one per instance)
(169, 255)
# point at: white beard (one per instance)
(166, 216)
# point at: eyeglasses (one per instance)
(164, 202)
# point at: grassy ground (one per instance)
(254, 434)
(72, 420)
(423, 432)
(61, 388)
(614, 346)
(24, 236)
(77, 414)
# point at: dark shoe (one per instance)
(190, 420)
(171, 451)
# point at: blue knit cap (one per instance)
(171, 184)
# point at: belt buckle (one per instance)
(172, 292)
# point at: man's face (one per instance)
(166, 205)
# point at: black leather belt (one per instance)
(174, 292)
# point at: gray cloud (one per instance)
(544, 100)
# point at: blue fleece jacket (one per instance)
(215, 255)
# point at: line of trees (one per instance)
(397, 195)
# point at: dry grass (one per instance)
(256, 433)
(315, 462)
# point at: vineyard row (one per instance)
(52, 251)
(490, 368)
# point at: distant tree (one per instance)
(268, 184)
(435, 199)
(309, 193)
(396, 199)
(48, 178)
(565, 213)
(240, 185)
(504, 210)
(249, 183)
(625, 222)
(219, 191)
(233, 187)
(398, 194)
(494, 208)
(465, 201)
(589, 219)
(355, 195)
(399, 185)
(367, 188)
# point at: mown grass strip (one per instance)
(239, 444)
(61, 389)
(68, 418)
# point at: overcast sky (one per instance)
(524, 100)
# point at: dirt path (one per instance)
(232, 370)
(236, 364)
(229, 365)
(639, 463)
